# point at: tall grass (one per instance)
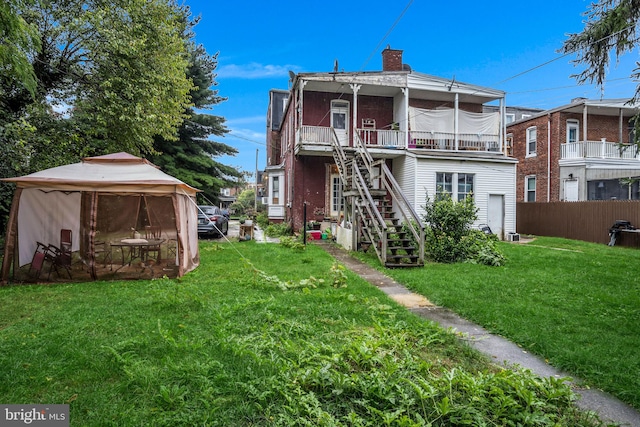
(257, 335)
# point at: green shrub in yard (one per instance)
(449, 237)
(262, 219)
(277, 230)
(483, 249)
(292, 242)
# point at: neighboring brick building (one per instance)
(579, 151)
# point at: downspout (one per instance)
(548, 158)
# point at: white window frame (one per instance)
(461, 195)
(453, 185)
(336, 200)
(508, 116)
(573, 125)
(532, 141)
(527, 190)
(274, 194)
(445, 178)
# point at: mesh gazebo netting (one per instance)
(125, 219)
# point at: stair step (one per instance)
(394, 249)
(401, 252)
(405, 242)
(398, 257)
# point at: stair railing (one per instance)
(374, 222)
(389, 183)
(376, 228)
(408, 212)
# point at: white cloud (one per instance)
(253, 71)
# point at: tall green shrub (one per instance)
(448, 223)
(450, 237)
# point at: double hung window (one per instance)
(445, 185)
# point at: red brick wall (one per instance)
(309, 186)
(536, 165)
(378, 108)
(317, 107)
(599, 127)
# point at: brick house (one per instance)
(579, 151)
(360, 151)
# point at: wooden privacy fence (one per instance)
(589, 221)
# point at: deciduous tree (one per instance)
(19, 39)
(191, 157)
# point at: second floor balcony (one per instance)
(599, 150)
(397, 139)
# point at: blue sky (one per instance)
(499, 44)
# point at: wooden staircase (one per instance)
(373, 200)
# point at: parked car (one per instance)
(211, 221)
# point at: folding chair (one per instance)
(39, 256)
(65, 240)
(59, 259)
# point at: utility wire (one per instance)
(393, 26)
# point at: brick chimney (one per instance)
(391, 59)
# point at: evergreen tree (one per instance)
(191, 157)
(611, 26)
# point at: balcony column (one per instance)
(503, 127)
(354, 126)
(455, 122)
(300, 105)
(402, 117)
(620, 124)
(584, 122)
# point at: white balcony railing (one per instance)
(447, 141)
(383, 138)
(398, 139)
(599, 150)
(314, 135)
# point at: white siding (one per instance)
(418, 177)
(403, 171)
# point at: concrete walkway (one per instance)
(499, 349)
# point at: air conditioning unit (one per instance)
(265, 200)
(513, 237)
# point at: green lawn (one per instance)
(285, 339)
(577, 304)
